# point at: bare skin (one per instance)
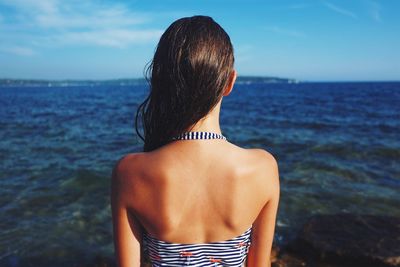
(195, 191)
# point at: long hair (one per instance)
(187, 76)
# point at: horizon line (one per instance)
(238, 77)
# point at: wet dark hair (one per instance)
(187, 77)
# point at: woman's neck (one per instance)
(210, 123)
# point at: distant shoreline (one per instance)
(8, 82)
(130, 81)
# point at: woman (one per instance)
(192, 198)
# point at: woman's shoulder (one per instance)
(127, 164)
(268, 163)
(130, 180)
(127, 170)
(258, 156)
(139, 169)
(268, 172)
(262, 155)
(263, 168)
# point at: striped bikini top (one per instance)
(231, 252)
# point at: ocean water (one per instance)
(337, 145)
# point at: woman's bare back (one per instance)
(198, 191)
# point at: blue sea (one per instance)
(337, 146)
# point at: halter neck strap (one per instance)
(198, 135)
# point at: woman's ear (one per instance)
(231, 82)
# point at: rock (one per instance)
(97, 261)
(100, 261)
(353, 240)
(274, 253)
(288, 260)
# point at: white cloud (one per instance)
(375, 11)
(17, 50)
(287, 32)
(47, 6)
(108, 38)
(340, 10)
(71, 14)
(77, 23)
(94, 17)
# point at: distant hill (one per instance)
(264, 79)
(67, 83)
(122, 82)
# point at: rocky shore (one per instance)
(343, 240)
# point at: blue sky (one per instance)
(307, 40)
